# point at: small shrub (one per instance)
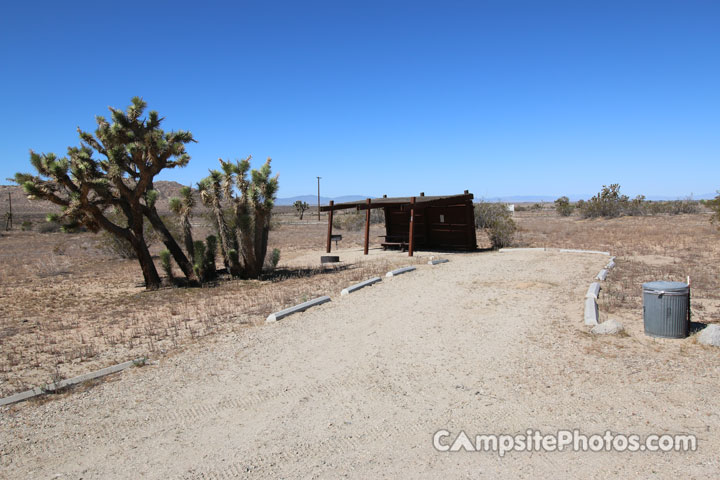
(563, 207)
(637, 206)
(165, 261)
(26, 226)
(271, 262)
(354, 221)
(49, 227)
(497, 220)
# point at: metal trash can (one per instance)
(666, 307)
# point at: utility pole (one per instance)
(8, 215)
(319, 197)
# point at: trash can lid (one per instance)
(663, 286)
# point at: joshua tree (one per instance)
(132, 151)
(301, 206)
(213, 191)
(563, 206)
(252, 200)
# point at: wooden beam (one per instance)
(412, 226)
(367, 227)
(454, 200)
(329, 231)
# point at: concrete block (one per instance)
(358, 286)
(593, 290)
(18, 397)
(602, 275)
(273, 317)
(573, 250)
(399, 271)
(591, 312)
(523, 249)
(437, 261)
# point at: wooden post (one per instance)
(412, 226)
(330, 219)
(367, 227)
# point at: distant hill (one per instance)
(21, 205)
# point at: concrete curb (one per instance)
(602, 275)
(53, 387)
(593, 290)
(610, 265)
(572, 250)
(273, 317)
(399, 271)
(358, 286)
(437, 261)
(521, 249)
(591, 312)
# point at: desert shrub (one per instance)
(714, 206)
(637, 206)
(204, 258)
(354, 221)
(271, 263)
(165, 262)
(688, 205)
(49, 226)
(609, 203)
(496, 220)
(563, 207)
(26, 226)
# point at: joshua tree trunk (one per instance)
(225, 246)
(150, 274)
(187, 236)
(171, 244)
(261, 238)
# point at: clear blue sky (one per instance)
(499, 97)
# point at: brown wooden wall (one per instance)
(447, 227)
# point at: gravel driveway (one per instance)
(488, 343)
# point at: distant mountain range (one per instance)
(169, 189)
(312, 199)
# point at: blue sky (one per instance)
(498, 97)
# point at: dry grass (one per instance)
(647, 248)
(67, 307)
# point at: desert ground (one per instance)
(491, 342)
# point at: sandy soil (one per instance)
(488, 343)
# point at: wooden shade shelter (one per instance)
(432, 222)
